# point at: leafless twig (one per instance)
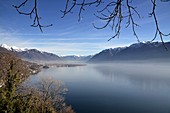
(112, 13)
(34, 12)
(131, 19)
(80, 4)
(158, 31)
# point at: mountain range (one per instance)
(137, 51)
(30, 54)
(36, 55)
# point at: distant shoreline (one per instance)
(62, 65)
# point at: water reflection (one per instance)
(146, 76)
(115, 88)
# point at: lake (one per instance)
(115, 88)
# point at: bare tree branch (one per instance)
(131, 19)
(80, 4)
(34, 11)
(114, 13)
(158, 31)
(114, 17)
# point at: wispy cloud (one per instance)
(8, 37)
(57, 42)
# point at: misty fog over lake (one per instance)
(114, 88)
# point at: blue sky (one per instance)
(67, 36)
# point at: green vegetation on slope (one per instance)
(15, 98)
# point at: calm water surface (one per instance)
(115, 88)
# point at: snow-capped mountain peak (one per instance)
(148, 43)
(12, 48)
(153, 51)
(5, 46)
